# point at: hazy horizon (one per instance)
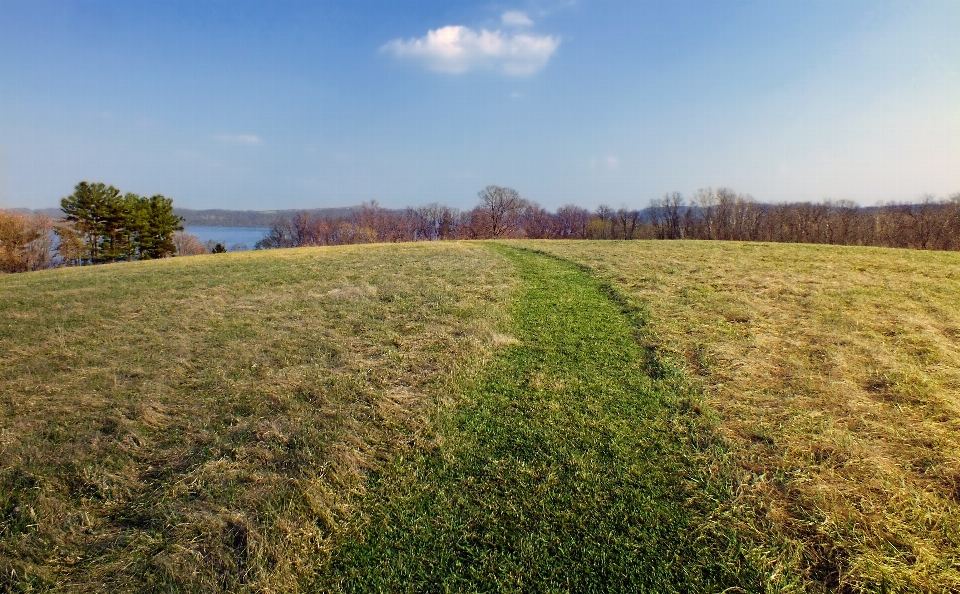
(291, 105)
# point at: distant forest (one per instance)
(720, 214)
(28, 239)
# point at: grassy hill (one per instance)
(668, 416)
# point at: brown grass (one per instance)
(834, 373)
(202, 423)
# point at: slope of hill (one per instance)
(203, 423)
(484, 416)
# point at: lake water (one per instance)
(231, 237)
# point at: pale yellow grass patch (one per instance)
(504, 339)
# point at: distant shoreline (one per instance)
(227, 218)
(232, 238)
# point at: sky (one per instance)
(276, 105)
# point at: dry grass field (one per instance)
(202, 424)
(786, 417)
(834, 377)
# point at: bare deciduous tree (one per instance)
(435, 221)
(706, 202)
(673, 206)
(503, 207)
(573, 222)
(187, 244)
(627, 221)
(537, 222)
(26, 242)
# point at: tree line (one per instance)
(720, 214)
(102, 225)
(930, 223)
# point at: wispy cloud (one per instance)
(515, 18)
(545, 7)
(244, 139)
(456, 49)
(608, 162)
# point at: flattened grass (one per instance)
(565, 468)
(834, 373)
(202, 424)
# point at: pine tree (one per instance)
(157, 240)
(114, 228)
(91, 209)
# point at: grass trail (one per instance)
(565, 468)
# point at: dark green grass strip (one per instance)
(562, 471)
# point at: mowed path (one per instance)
(565, 468)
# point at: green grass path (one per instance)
(563, 470)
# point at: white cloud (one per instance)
(456, 49)
(245, 139)
(515, 18)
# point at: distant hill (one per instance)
(252, 218)
(228, 218)
(54, 213)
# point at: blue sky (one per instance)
(266, 105)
